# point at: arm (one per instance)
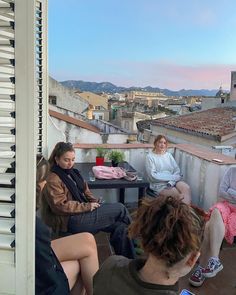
(155, 175)
(88, 194)
(225, 190)
(58, 200)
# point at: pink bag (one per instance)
(105, 172)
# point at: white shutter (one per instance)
(23, 134)
(7, 145)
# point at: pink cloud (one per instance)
(163, 74)
(173, 76)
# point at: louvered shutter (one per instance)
(7, 142)
(23, 134)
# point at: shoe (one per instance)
(213, 267)
(197, 278)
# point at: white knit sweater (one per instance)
(162, 171)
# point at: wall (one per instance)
(197, 165)
(66, 98)
(203, 177)
(232, 88)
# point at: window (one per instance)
(52, 100)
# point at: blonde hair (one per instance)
(158, 138)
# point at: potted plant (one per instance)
(116, 157)
(101, 152)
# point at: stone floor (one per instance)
(223, 284)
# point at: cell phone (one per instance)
(186, 292)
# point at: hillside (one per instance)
(111, 88)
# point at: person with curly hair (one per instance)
(171, 234)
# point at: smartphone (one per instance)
(186, 292)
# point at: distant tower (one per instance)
(233, 86)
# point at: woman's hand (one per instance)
(94, 206)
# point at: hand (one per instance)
(94, 206)
(101, 201)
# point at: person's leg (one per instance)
(79, 248)
(170, 192)
(197, 278)
(184, 191)
(216, 232)
(112, 218)
(120, 241)
(205, 248)
(71, 269)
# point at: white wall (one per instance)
(66, 98)
(203, 176)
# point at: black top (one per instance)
(50, 278)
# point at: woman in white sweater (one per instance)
(163, 173)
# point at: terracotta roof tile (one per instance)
(73, 121)
(215, 122)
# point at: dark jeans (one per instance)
(112, 218)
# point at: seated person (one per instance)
(61, 263)
(163, 172)
(171, 234)
(69, 206)
(222, 224)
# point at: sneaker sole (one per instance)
(196, 284)
(213, 274)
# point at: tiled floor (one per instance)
(223, 284)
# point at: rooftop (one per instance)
(215, 123)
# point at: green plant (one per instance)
(116, 156)
(101, 152)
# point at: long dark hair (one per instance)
(60, 149)
(168, 228)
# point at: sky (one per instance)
(174, 44)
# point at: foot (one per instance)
(213, 267)
(197, 278)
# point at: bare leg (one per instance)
(170, 192)
(217, 232)
(213, 237)
(78, 288)
(205, 248)
(184, 191)
(71, 269)
(81, 248)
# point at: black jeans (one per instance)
(112, 218)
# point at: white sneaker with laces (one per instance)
(213, 267)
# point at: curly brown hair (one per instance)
(168, 228)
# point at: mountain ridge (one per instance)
(111, 88)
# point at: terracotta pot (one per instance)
(99, 161)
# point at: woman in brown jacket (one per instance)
(70, 207)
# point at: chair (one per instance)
(151, 193)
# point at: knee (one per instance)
(89, 240)
(215, 214)
(187, 188)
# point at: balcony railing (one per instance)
(202, 169)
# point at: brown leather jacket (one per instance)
(58, 204)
